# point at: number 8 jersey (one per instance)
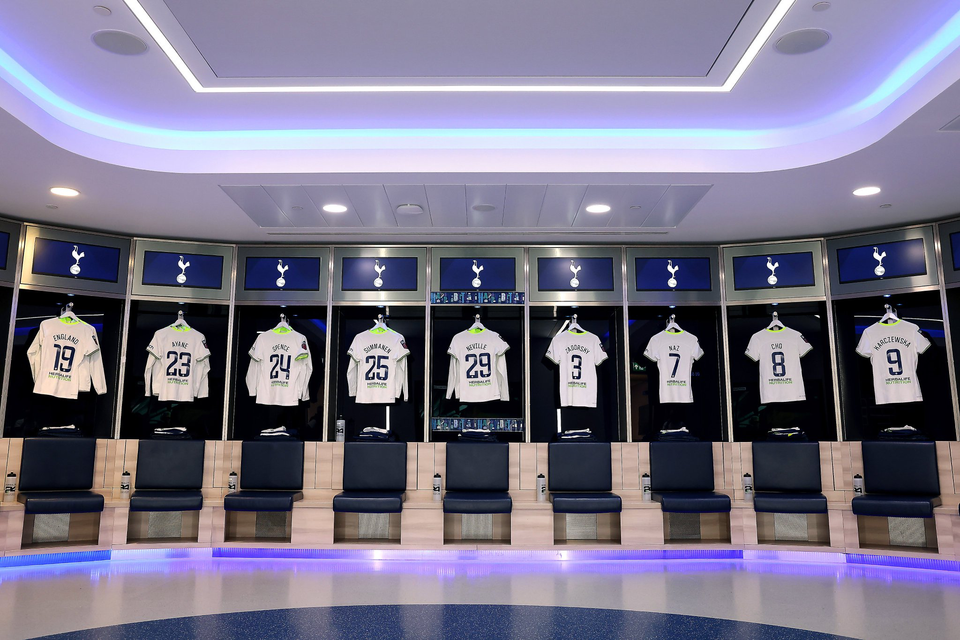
(377, 372)
(778, 351)
(893, 350)
(178, 365)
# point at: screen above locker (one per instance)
(75, 260)
(955, 249)
(673, 274)
(282, 274)
(883, 260)
(4, 248)
(575, 274)
(379, 274)
(479, 274)
(171, 269)
(767, 271)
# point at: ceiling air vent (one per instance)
(409, 209)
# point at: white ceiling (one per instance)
(782, 149)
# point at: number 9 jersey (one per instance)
(893, 350)
(578, 354)
(377, 372)
(178, 364)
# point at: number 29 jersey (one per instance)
(178, 365)
(478, 367)
(578, 354)
(893, 350)
(377, 372)
(778, 352)
(674, 354)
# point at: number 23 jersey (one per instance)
(893, 350)
(178, 365)
(778, 351)
(674, 354)
(578, 355)
(377, 372)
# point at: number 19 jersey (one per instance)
(893, 350)
(377, 372)
(674, 354)
(578, 354)
(778, 351)
(65, 358)
(178, 365)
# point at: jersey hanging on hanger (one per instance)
(674, 354)
(377, 371)
(280, 368)
(778, 352)
(893, 350)
(578, 354)
(178, 364)
(478, 366)
(65, 358)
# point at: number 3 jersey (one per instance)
(893, 350)
(778, 351)
(377, 372)
(65, 358)
(674, 354)
(478, 366)
(280, 368)
(578, 354)
(178, 365)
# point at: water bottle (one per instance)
(341, 429)
(436, 486)
(747, 487)
(858, 484)
(125, 484)
(10, 487)
(541, 488)
(645, 485)
(232, 482)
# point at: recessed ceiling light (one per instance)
(334, 208)
(483, 208)
(597, 208)
(866, 191)
(409, 209)
(66, 192)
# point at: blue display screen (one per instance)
(281, 274)
(196, 271)
(955, 249)
(391, 274)
(785, 270)
(4, 248)
(673, 274)
(81, 261)
(889, 260)
(479, 274)
(575, 274)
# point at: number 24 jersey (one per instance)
(893, 350)
(778, 351)
(178, 365)
(280, 368)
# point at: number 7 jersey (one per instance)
(377, 372)
(674, 354)
(178, 365)
(893, 350)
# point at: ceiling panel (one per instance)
(675, 204)
(561, 203)
(296, 205)
(257, 204)
(485, 194)
(400, 194)
(644, 196)
(372, 205)
(522, 203)
(323, 194)
(446, 205)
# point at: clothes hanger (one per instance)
(889, 315)
(574, 325)
(477, 326)
(284, 323)
(180, 321)
(380, 324)
(775, 323)
(67, 312)
(672, 324)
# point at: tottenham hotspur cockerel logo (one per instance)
(378, 282)
(476, 279)
(879, 270)
(574, 281)
(282, 269)
(75, 268)
(183, 270)
(672, 282)
(772, 280)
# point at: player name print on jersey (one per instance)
(478, 366)
(778, 353)
(178, 365)
(280, 368)
(893, 350)
(377, 371)
(674, 353)
(578, 354)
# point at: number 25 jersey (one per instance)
(778, 351)
(893, 350)
(377, 372)
(578, 355)
(178, 365)
(674, 354)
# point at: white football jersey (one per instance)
(478, 366)
(377, 372)
(578, 354)
(674, 354)
(280, 368)
(893, 350)
(178, 365)
(778, 351)
(65, 358)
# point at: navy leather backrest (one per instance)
(786, 466)
(375, 466)
(900, 467)
(169, 464)
(478, 466)
(681, 466)
(272, 465)
(579, 466)
(57, 464)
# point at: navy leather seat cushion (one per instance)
(170, 464)
(261, 500)
(57, 464)
(160, 500)
(786, 466)
(477, 501)
(478, 466)
(586, 503)
(61, 501)
(905, 468)
(692, 501)
(368, 502)
(271, 466)
(579, 466)
(782, 502)
(681, 466)
(375, 466)
(895, 506)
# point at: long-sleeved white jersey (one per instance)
(178, 365)
(478, 366)
(280, 368)
(377, 372)
(65, 358)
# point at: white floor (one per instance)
(864, 602)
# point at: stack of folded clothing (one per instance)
(577, 435)
(477, 435)
(794, 434)
(279, 433)
(679, 434)
(66, 431)
(906, 432)
(171, 433)
(376, 433)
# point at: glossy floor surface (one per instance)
(318, 598)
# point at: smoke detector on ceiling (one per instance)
(409, 209)
(119, 42)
